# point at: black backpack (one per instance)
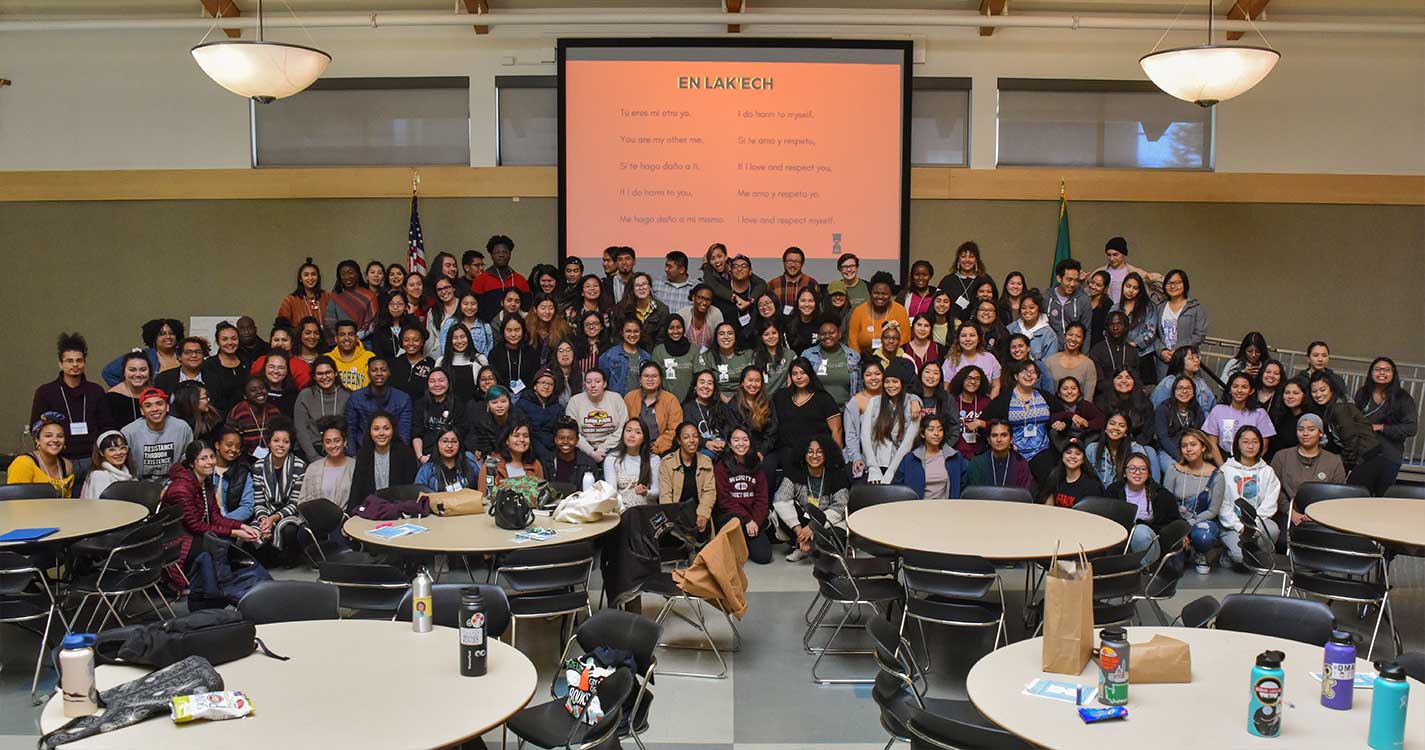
(218, 635)
(511, 510)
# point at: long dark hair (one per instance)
(502, 440)
(804, 364)
(1393, 392)
(301, 292)
(448, 352)
(760, 356)
(185, 406)
(360, 277)
(957, 383)
(645, 466)
(1140, 304)
(890, 420)
(1121, 454)
(1176, 428)
(731, 460)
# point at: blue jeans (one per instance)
(1144, 541)
(1204, 535)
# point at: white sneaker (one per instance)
(797, 555)
(1199, 562)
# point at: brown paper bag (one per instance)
(1160, 660)
(458, 503)
(1068, 615)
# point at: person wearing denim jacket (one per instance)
(614, 363)
(815, 356)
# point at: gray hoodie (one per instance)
(1075, 309)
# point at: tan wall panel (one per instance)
(1349, 274)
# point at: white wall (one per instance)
(136, 100)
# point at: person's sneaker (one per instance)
(1199, 562)
(797, 555)
(1225, 561)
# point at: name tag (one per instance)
(78, 428)
(1031, 430)
(516, 386)
(260, 453)
(962, 302)
(876, 343)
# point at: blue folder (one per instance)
(28, 535)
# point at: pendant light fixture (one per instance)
(1209, 73)
(262, 71)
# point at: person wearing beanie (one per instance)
(1118, 268)
(1306, 463)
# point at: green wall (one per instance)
(1349, 274)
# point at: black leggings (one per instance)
(759, 548)
(1376, 473)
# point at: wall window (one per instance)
(1100, 124)
(528, 112)
(940, 121)
(366, 121)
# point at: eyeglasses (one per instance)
(1136, 469)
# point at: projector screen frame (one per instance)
(906, 48)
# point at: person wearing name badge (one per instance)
(836, 365)
(451, 467)
(658, 409)
(890, 424)
(252, 417)
(969, 399)
(46, 464)
(513, 359)
(917, 294)
(872, 377)
(816, 479)
(514, 456)
(157, 441)
(82, 402)
(1026, 411)
(866, 321)
(438, 408)
(622, 360)
(967, 349)
(995, 334)
(725, 360)
(969, 267)
(804, 323)
(677, 356)
(765, 312)
(804, 411)
(1000, 465)
(787, 287)
(771, 355)
(918, 347)
(889, 350)
(743, 289)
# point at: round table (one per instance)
(991, 529)
(349, 684)
(75, 519)
(1387, 519)
(1209, 712)
(472, 534)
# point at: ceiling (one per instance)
(1277, 9)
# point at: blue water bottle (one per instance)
(1264, 713)
(1388, 700)
(1338, 671)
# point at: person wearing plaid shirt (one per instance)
(674, 288)
(791, 283)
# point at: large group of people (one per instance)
(752, 398)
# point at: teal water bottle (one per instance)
(1264, 714)
(1388, 700)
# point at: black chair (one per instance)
(1313, 492)
(837, 584)
(930, 731)
(1162, 585)
(366, 587)
(950, 590)
(1120, 512)
(550, 725)
(322, 520)
(1413, 662)
(445, 600)
(400, 493)
(1117, 587)
(1406, 491)
(170, 519)
(25, 597)
(289, 601)
(837, 538)
(1198, 613)
(867, 495)
(147, 494)
(991, 492)
(28, 491)
(1302, 620)
(1259, 552)
(547, 582)
(115, 565)
(1341, 567)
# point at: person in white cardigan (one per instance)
(329, 477)
(1244, 477)
(111, 447)
(889, 425)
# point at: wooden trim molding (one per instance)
(927, 183)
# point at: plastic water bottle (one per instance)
(1113, 667)
(1338, 671)
(76, 674)
(473, 648)
(1264, 713)
(421, 613)
(588, 483)
(1388, 701)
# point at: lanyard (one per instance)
(515, 365)
(83, 405)
(994, 472)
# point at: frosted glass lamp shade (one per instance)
(1211, 73)
(264, 71)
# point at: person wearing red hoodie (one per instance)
(191, 486)
(742, 494)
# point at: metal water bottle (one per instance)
(1388, 701)
(422, 616)
(76, 674)
(1338, 671)
(490, 464)
(473, 649)
(1112, 656)
(1264, 713)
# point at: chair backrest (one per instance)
(445, 600)
(1413, 662)
(1003, 494)
(322, 515)
(936, 731)
(1303, 620)
(613, 691)
(961, 576)
(1406, 491)
(147, 494)
(1312, 492)
(1117, 576)
(361, 575)
(1120, 512)
(1199, 612)
(891, 649)
(28, 491)
(289, 601)
(399, 493)
(866, 495)
(627, 631)
(17, 574)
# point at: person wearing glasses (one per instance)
(110, 464)
(1156, 506)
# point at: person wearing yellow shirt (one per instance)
(350, 357)
(46, 464)
(863, 328)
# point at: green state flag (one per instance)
(1061, 246)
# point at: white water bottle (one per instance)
(588, 481)
(76, 675)
(421, 614)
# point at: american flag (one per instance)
(416, 250)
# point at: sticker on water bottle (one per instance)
(472, 631)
